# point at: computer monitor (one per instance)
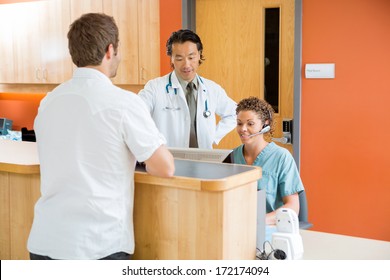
(5, 124)
(214, 155)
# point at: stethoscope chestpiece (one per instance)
(206, 114)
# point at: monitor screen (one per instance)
(214, 155)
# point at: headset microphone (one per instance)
(264, 130)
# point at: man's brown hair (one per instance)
(89, 38)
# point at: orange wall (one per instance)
(21, 108)
(170, 20)
(344, 158)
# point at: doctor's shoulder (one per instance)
(211, 85)
(153, 86)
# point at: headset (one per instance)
(265, 128)
(206, 112)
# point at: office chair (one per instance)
(303, 212)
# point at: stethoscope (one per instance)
(206, 112)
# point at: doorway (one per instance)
(240, 41)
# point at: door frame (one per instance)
(297, 82)
(189, 22)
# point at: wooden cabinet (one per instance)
(149, 39)
(139, 35)
(33, 40)
(125, 13)
(34, 44)
(7, 65)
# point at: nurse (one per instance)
(183, 104)
(280, 179)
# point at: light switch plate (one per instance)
(320, 71)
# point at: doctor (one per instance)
(183, 104)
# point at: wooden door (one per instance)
(233, 36)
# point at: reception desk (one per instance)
(206, 211)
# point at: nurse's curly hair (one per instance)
(263, 110)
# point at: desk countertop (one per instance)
(329, 246)
(22, 157)
(19, 157)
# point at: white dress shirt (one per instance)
(89, 135)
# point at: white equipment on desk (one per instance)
(287, 237)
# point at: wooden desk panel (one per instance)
(207, 211)
(172, 223)
(5, 237)
(18, 195)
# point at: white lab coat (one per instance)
(172, 117)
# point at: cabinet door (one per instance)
(77, 8)
(7, 65)
(56, 63)
(148, 39)
(126, 17)
(20, 24)
(35, 42)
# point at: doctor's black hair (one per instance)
(183, 35)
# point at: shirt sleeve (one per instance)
(139, 130)
(226, 110)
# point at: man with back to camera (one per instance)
(89, 135)
(183, 104)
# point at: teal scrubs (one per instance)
(280, 174)
(280, 177)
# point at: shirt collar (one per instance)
(86, 72)
(185, 83)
